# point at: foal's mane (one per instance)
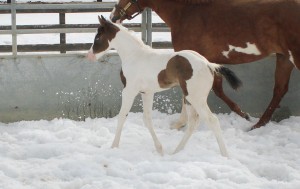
(130, 33)
(195, 2)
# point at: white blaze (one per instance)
(250, 49)
(113, 12)
(291, 58)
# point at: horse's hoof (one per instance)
(247, 117)
(115, 145)
(176, 150)
(161, 153)
(256, 126)
(176, 126)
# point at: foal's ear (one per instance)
(102, 20)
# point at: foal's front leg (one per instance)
(147, 106)
(128, 95)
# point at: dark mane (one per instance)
(195, 1)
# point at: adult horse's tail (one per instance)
(229, 75)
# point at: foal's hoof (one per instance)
(114, 145)
(225, 154)
(178, 149)
(177, 126)
(160, 151)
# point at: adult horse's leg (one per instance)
(147, 106)
(282, 76)
(218, 90)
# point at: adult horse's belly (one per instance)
(226, 54)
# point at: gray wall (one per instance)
(71, 87)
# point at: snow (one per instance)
(69, 154)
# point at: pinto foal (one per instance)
(146, 71)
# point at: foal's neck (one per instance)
(128, 45)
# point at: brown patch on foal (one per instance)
(178, 71)
(123, 78)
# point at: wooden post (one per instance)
(14, 28)
(8, 1)
(62, 20)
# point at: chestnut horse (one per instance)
(231, 32)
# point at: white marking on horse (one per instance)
(113, 12)
(291, 58)
(250, 49)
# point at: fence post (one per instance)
(147, 26)
(14, 28)
(62, 20)
(143, 26)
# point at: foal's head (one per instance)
(125, 9)
(102, 42)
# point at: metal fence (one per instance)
(146, 27)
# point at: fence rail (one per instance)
(146, 27)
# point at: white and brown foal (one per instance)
(147, 71)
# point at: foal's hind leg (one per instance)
(282, 76)
(183, 118)
(218, 90)
(193, 123)
(213, 122)
(147, 105)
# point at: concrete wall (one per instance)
(71, 87)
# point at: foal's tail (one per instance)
(229, 75)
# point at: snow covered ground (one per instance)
(66, 154)
(70, 155)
